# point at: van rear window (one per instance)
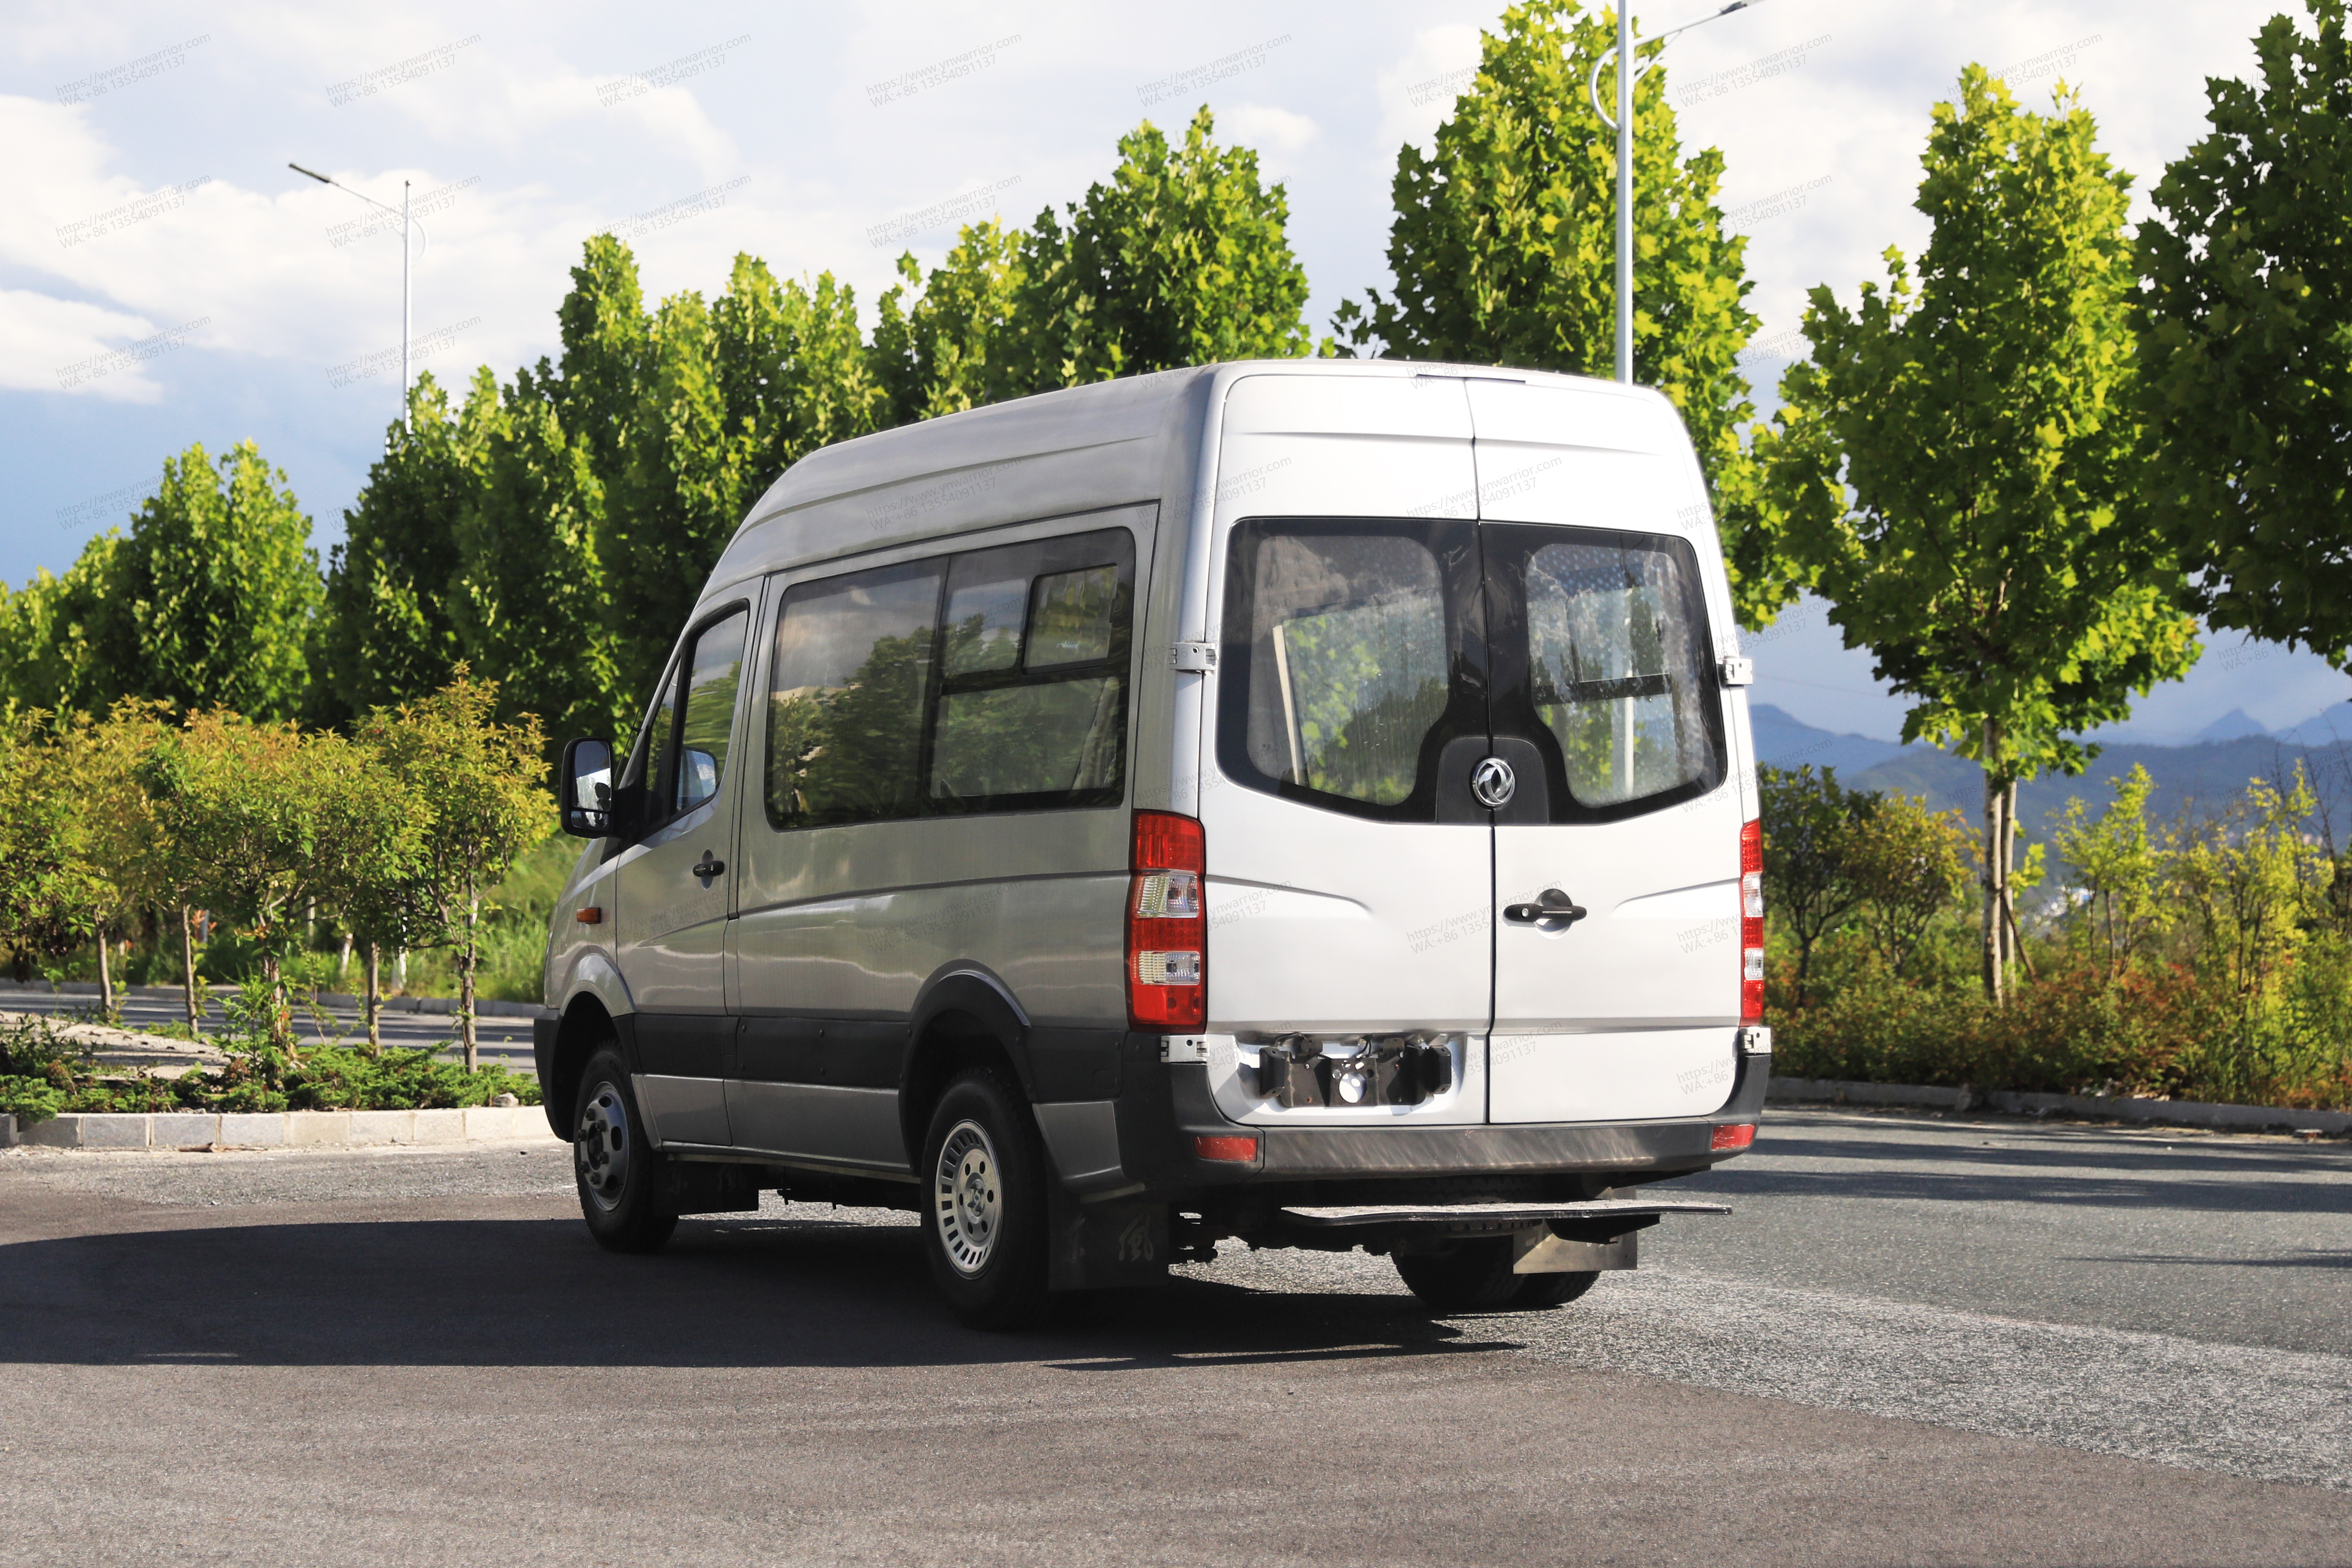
(988, 680)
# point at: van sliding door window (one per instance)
(990, 680)
(845, 701)
(1032, 709)
(1351, 655)
(1602, 651)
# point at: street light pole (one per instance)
(402, 212)
(1623, 125)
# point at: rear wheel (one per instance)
(1473, 1275)
(613, 1163)
(1539, 1291)
(984, 1224)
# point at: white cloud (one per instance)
(43, 339)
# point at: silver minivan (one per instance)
(1303, 802)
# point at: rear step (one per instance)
(1497, 1215)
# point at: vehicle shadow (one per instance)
(507, 1292)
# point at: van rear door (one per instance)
(1617, 958)
(1350, 885)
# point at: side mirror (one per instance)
(584, 788)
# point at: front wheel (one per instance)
(613, 1163)
(984, 1225)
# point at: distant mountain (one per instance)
(1785, 741)
(2209, 771)
(2235, 725)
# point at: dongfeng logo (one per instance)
(1492, 782)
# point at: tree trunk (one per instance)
(465, 975)
(343, 963)
(281, 1021)
(2000, 805)
(188, 970)
(105, 978)
(374, 1009)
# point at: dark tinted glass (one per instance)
(1343, 660)
(846, 699)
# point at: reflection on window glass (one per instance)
(1615, 651)
(984, 625)
(1347, 665)
(1059, 736)
(1073, 622)
(713, 673)
(846, 706)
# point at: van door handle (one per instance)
(707, 868)
(1555, 911)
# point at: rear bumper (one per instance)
(1175, 1098)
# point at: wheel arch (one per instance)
(964, 1017)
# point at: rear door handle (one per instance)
(707, 868)
(1555, 911)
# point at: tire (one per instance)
(1468, 1276)
(1538, 1292)
(613, 1165)
(983, 1170)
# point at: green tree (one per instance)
(51, 897)
(1907, 863)
(532, 610)
(2119, 866)
(113, 838)
(1811, 824)
(1183, 258)
(481, 786)
(2250, 882)
(48, 628)
(387, 630)
(210, 600)
(263, 822)
(2245, 344)
(604, 330)
(1978, 412)
(950, 347)
(1504, 244)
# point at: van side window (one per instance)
(989, 680)
(1032, 709)
(714, 669)
(845, 700)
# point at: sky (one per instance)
(165, 279)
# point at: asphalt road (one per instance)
(1915, 1341)
(503, 1040)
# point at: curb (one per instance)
(281, 1128)
(2116, 1108)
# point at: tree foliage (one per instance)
(2245, 344)
(210, 600)
(1962, 444)
(388, 622)
(476, 784)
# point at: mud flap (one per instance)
(1105, 1246)
(1538, 1250)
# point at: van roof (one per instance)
(1109, 438)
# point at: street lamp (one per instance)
(1623, 125)
(402, 214)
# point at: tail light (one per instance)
(1166, 926)
(1739, 1136)
(1751, 923)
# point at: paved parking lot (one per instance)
(1915, 1341)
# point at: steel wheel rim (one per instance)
(599, 1148)
(967, 1197)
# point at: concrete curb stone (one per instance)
(282, 1129)
(2116, 1107)
(7, 1132)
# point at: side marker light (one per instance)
(1739, 1136)
(1231, 1149)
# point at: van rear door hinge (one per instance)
(1738, 671)
(1193, 657)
